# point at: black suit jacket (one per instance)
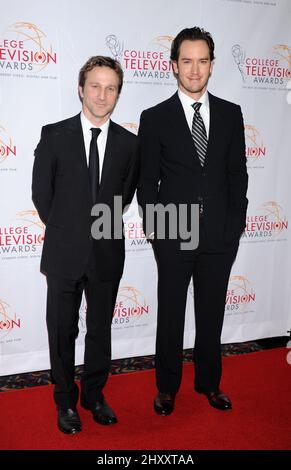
(61, 194)
(171, 171)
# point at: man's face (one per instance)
(99, 94)
(193, 67)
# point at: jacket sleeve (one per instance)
(150, 154)
(43, 175)
(132, 173)
(237, 175)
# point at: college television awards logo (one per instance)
(131, 308)
(115, 46)
(135, 239)
(240, 297)
(146, 64)
(26, 47)
(9, 320)
(8, 151)
(23, 238)
(268, 71)
(284, 53)
(164, 42)
(269, 224)
(255, 147)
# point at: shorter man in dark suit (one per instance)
(81, 161)
(193, 153)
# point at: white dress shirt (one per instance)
(189, 111)
(101, 141)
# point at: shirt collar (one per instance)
(187, 101)
(87, 125)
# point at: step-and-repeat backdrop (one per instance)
(42, 47)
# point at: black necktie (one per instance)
(199, 133)
(94, 164)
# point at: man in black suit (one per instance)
(81, 161)
(193, 152)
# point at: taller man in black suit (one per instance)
(193, 152)
(81, 161)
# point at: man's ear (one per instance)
(81, 91)
(175, 67)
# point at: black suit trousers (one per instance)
(63, 301)
(210, 272)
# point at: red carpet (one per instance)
(259, 385)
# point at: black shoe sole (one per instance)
(229, 408)
(66, 431)
(162, 412)
(105, 423)
(108, 423)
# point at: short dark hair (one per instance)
(191, 34)
(101, 61)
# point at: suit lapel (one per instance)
(77, 150)
(181, 129)
(178, 119)
(214, 126)
(110, 151)
(77, 144)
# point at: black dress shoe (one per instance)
(164, 403)
(101, 411)
(69, 421)
(217, 399)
